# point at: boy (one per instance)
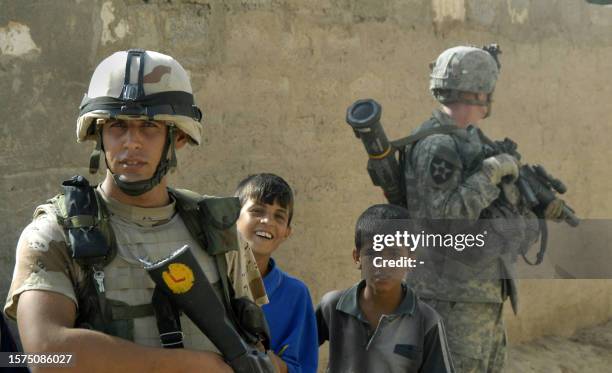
(265, 223)
(379, 325)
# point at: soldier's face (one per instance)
(484, 110)
(263, 226)
(133, 148)
(481, 111)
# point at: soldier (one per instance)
(448, 176)
(78, 282)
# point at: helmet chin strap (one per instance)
(489, 109)
(137, 188)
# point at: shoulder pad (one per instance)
(53, 206)
(220, 212)
(212, 220)
(185, 196)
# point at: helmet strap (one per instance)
(137, 188)
(94, 157)
(489, 109)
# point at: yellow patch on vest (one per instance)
(179, 278)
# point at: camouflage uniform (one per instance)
(43, 262)
(444, 181)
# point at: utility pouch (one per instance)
(80, 218)
(219, 215)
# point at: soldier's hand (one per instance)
(511, 192)
(500, 165)
(554, 210)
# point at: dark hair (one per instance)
(371, 222)
(266, 188)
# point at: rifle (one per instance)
(538, 188)
(181, 278)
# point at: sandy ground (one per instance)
(588, 351)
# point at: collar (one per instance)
(273, 278)
(142, 216)
(443, 119)
(349, 301)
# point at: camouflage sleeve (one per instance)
(42, 262)
(440, 175)
(244, 274)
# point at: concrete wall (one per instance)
(274, 79)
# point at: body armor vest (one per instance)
(115, 296)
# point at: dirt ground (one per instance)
(587, 351)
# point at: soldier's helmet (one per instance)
(464, 69)
(139, 84)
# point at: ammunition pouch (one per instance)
(82, 216)
(217, 214)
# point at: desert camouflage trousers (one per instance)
(476, 335)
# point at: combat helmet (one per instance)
(465, 69)
(139, 84)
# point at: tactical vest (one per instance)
(210, 221)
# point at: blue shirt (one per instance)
(292, 321)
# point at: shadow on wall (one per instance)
(600, 2)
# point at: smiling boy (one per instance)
(265, 223)
(379, 325)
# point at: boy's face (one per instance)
(263, 226)
(372, 270)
